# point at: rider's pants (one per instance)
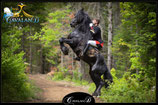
(94, 43)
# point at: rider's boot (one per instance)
(82, 53)
(77, 58)
(84, 50)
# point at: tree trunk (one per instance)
(116, 22)
(72, 63)
(109, 61)
(31, 69)
(42, 61)
(116, 14)
(62, 58)
(137, 71)
(82, 69)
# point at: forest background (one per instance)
(129, 35)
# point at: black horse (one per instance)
(77, 41)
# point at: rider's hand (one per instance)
(91, 24)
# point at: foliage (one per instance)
(18, 39)
(60, 75)
(128, 89)
(63, 74)
(15, 85)
(49, 35)
(134, 44)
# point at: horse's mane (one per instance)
(84, 25)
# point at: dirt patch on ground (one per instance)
(54, 91)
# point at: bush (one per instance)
(15, 85)
(58, 76)
(61, 74)
(128, 90)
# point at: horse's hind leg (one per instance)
(96, 81)
(96, 77)
(98, 69)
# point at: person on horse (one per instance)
(96, 40)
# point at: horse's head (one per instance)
(79, 17)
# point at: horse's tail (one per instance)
(107, 77)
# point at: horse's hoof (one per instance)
(65, 53)
(65, 50)
(95, 95)
(77, 58)
(61, 40)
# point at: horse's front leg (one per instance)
(64, 49)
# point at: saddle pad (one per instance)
(91, 52)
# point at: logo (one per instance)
(78, 98)
(18, 15)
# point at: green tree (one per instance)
(15, 85)
(134, 45)
(134, 49)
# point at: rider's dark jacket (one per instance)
(97, 36)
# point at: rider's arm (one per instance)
(97, 30)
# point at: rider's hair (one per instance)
(98, 21)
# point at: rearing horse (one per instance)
(77, 41)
